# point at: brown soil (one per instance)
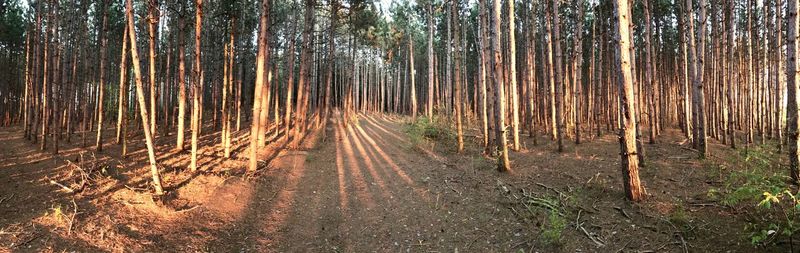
(365, 187)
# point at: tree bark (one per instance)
(503, 164)
(630, 162)
(140, 95)
(261, 72)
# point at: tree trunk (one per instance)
(261, 71)
(559, 86)
(630, 162)
(152, 28)
(512, 57)
(101, 84)
(503, 164)
(429, 105)
(140, 95)
(181, 80)
(457, 75)
(793, 87)
(198, 83)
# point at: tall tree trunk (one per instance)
(198, 82)
(181, 80)
(122, 110)
(289, 83)
(429, 105)
(261, 72)
(699, 94)
(140, 95)
(503, 164)
(152, 28)
(413, 90)
(793, 87)
(123, 94)
(482, 72)
(101, 84)
(512, 57)
(559, 86)
(303, 80)
(630, 162)
(731, 72)
(458, 96)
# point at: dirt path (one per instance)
(365, 189)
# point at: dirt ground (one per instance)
(365, 187)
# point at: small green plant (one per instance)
(786, 224)
(682, 221)
(756, 175)
(551, 231)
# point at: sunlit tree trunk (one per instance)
(457, 75)
(181, 80)
(559, 86)
(261, 72)
(512, 57)
(630, 162)
(429, 105)
(140, 95)
(197, 84)
(152, 28)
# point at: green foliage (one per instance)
(424, 132)
(761, 182)
(781, 211)
(551, 231)
(682, 221)
(757, 175)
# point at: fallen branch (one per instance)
(623, 212)
(188, 209)
(451, 187)
(6, 198)
(550, 188)
(70, 190)
(595, 240)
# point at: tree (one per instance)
(429, 105)
(100, 86)
(181, 79)
(197, 123)
(131, 30)
(457, 76)
(630, 162)
(152, 28)
(512, 58)
(503, 164)
(559, 86)
(793, 87)
(261, 71)
(122, 112)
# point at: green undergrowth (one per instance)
(754, 179)
(425, 133)
(549, 209)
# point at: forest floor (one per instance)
(378, 185)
